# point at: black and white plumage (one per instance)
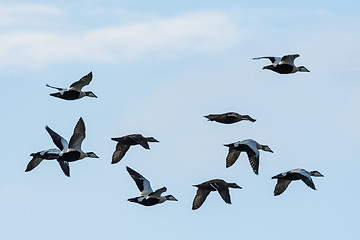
(284, 65)
(251, 148)
(229, 118)
(125, 142)
(285, 178)
(71, 152)
(74, 91)
(147, 196)
(205, 188)
(65, 152)
(50, 154)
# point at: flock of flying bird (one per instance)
(71, 151)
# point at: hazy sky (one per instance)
(158, 68)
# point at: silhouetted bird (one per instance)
(74, 91)
(284, 65)
(228, 118)
(147, 196)
(285, 178)
(250, 147)
(205, 188)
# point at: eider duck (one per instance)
(50, 154)
(205, 188)
(74, 91)
(147, 196)
(285, 178)
(284, 65)
(228, 118)
(125, 142)
(71, 152)
(250, 147)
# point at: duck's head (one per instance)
(151, 139)
(91, 155)
(303, 69)
(90, 94)
(266, 148)
(316, 174)
(234, 185)
(170, 198)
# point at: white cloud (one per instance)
(25, 15)
(200, 32)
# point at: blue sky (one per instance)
(158, 68)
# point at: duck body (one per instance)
(284, 65)
(251, 147)
(285, 178)
(282, 69)
(229, 118)
(147, 197)
(75, 90)
(147, 201)
(50, 154)
(205, 188)
(125, 142)
(68, 95)
(72, 156)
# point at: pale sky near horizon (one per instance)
(158, 68)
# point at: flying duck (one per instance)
(74, 91)
(125, 142)
(147, 196)
(250, 147)
(205, 188)
(285, 178)
(284, 65)
(71, 152)
(228, 118)
(50, 154)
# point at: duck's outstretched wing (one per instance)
(200, 197)
(120, 152)
(140, 140)
(232, 156)
(33, 163)
(85, 80)
(142, 183)
(58, 140)
(308, 181)
(64, 167)
(304, 176)
(281, 186)
(78, 135)
(57, 88)
(289, 59)
(157, 193)
(223, 190)
(253, 155)
(274, 60)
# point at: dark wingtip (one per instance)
(114, 161)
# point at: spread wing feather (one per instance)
(78, 135)
(85, 80)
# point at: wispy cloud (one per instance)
(199, 32)
(25, 15)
